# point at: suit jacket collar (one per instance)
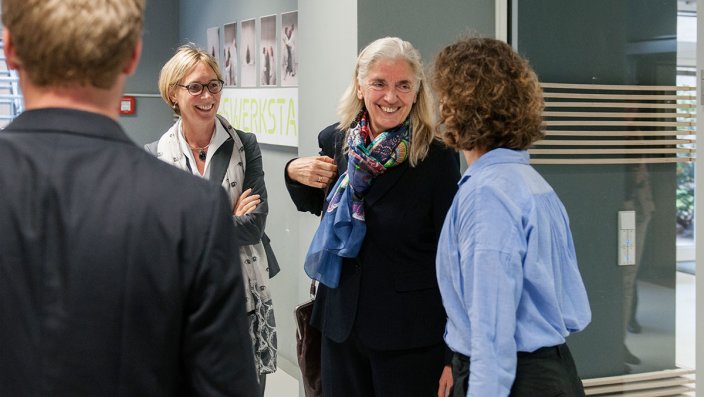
(383, 183)
(71, 121)
(221, 158)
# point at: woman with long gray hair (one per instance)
(384, 184)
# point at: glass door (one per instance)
(620, 80)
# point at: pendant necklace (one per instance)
(202, 151)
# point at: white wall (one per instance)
(327, 52)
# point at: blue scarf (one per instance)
(342, 229)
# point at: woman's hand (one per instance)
(446, 382)
(245, 203)
(313, 171)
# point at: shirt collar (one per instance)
(219, 137)
(495, 156)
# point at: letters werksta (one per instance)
(272, 114)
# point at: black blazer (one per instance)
(117, 272)
(389, 293)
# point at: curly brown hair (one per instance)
(489, 96)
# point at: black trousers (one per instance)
(547, 372)
(351, 369)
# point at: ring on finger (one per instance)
(319, 179)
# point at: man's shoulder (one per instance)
(11, 156)
(7, 140)
(165, 179)
(116, 162)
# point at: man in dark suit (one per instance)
(117, 272)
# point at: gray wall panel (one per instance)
(152, 115)
(428, 25)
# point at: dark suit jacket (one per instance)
(389, 293)
(117, 272)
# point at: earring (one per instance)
(174, 106)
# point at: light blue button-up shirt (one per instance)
(507, 269)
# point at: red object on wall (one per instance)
(127, 105)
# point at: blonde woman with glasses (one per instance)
(204, 144)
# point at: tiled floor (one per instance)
(281, 384)
(685, 320)
(654, 345)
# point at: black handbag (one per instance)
(308, 347)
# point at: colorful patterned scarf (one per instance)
(342, 229)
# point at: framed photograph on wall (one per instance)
(290, 63)
(213, 43)
(268, 53)
(248, 54)
(229, 65)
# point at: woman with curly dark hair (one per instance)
(506, 263)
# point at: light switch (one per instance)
(626, 244)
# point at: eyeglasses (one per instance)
(214, 87)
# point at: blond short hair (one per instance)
(175, 69)
(73, 42)
(421, 115)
